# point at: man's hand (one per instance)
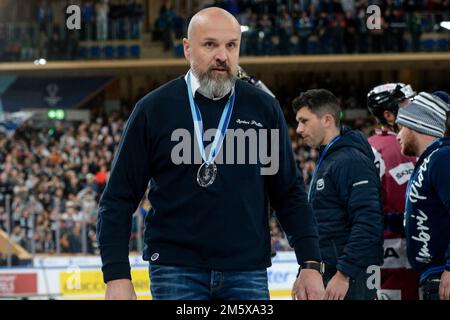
(337, 287)
(308, 286)
(121, 289)
(444, 286)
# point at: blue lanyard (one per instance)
(319, 163)
(198, 124)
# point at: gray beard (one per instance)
(212, 87)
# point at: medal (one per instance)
(207, 172)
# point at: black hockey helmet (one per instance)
(387, 97)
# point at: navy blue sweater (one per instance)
(428, 211)
(222, 227)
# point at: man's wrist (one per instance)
(343, 275)
(312, 265)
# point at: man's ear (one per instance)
(328, 120)
(187, 49)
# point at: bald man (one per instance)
(207, 235)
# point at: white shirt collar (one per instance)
(195, 85)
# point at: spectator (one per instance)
(166, 25)
(350, 33)
(377, 35)
(59, 17)
(74, 239)
(49, 243)
(88, 15)
(55, 49)
(18, 236)
(304, 28)
(397, 25)
(65, 243)
(102, 10)
(339, 27)
(285, 32)
(361, 31)
(265, 35)
(323, 32)
(416, 29)
(136, 12)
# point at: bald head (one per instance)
(212, 48)
(212, 18)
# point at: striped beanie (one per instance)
(425, 114)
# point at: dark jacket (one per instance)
(428, 211)
(345, 196)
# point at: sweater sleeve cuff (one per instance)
(307, 249)
(348, 269)
(116, 271)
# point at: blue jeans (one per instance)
(187, 283)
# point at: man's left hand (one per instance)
(444, 286)
(308, 286)
(337, 287)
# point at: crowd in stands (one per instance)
(54, 178)
(273, 27)
(329, 26)
(45, 34)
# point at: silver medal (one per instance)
(206, 174)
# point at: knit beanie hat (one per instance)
(425, 114)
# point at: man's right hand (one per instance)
(121, 289)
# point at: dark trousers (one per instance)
(430, 288)
(358, 289)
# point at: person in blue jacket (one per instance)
(345, 196)
(427, 217)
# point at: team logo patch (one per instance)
(154, 257)
(320, 184)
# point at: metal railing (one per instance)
(80, 243)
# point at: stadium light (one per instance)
(41, 61)
(445, 25)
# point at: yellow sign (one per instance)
(77, 282)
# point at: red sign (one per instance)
(12, 283)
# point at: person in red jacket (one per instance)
(398, 280)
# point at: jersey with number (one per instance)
(398, 280)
